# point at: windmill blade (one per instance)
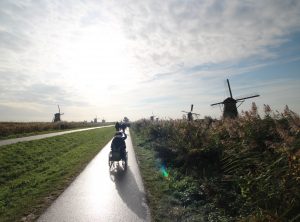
(229, 88)
(58, 109)
(247, 97)
(184, 111)
(197, 114)
(192, 106)
(217, 103)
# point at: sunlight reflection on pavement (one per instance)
(99, 194)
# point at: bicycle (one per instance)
(114, 158)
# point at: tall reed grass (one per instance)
(249, 167)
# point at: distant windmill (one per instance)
(190, 113)
(152, 117)
(57, 115)
(230, 108)
(95, 119)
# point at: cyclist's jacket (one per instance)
(118, 143)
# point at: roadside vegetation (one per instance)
(247, 169)
(34, 173)
(9, 130)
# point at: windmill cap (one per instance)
(229, 100)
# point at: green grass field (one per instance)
(34, 173)
(10, 130)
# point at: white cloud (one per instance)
(108, 55)
(167, 33)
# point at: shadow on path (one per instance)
(128, 190)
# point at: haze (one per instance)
(130, 58)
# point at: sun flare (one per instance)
(95, 57)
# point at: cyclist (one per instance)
(118, 142)
(123, 127)
(117, 126)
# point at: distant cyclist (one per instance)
(123, 127)
(117, 126)
(118, 143)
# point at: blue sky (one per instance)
(133, 58)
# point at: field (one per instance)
(247, 169)
(34, 173)
(20, 129)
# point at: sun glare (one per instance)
(95, 60)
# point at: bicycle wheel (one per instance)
(110, 162)
(125, 162)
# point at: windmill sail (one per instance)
(229, 88)
(230, 108)
(248, 97)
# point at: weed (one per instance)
(243, 169)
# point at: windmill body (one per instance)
(190, 114)
(57, 115)
(95, 119)
(230, 108)
(152, 117)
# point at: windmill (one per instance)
(57, 115)
(95, 119)
(152, 117)
(190, 113)
(230, 108)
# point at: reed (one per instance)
(247, 168)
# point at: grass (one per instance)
(34, 173)
(246, 169)
(10, 130)
(164, 206)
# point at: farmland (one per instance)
(20, 129)
(34, 173)
(245, 169)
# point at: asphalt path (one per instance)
(102, 194)
(37, 137)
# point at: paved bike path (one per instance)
(99, 194)
(37, 137)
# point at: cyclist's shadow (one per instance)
(128, 190)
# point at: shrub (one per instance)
(248, 167)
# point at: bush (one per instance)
(248, 167)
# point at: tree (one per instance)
(126, 120)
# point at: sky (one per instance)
(137, 58)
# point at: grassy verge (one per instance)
(34, 173)
(246, 169)
(163, 193)
(11, 130)
(14, 136)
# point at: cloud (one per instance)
(159, 36)
(113, 56)
(17, 88)
(167, 33)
